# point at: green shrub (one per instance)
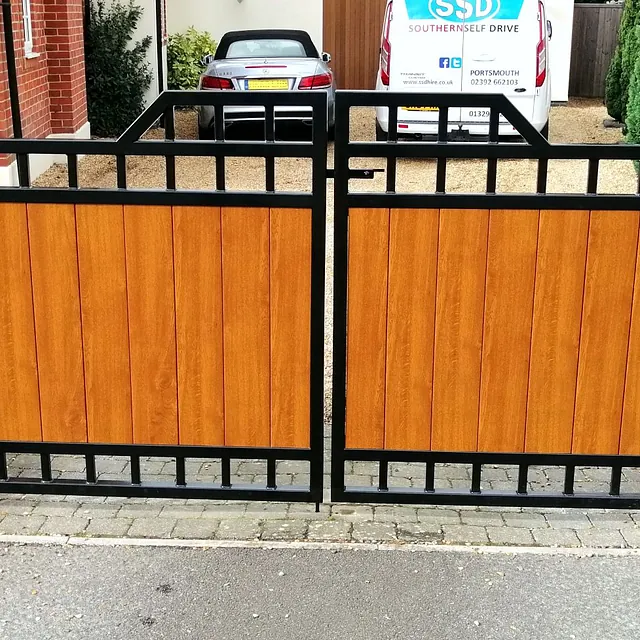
(623, 62)
(632, 123)
(184, 55)
(117, 72)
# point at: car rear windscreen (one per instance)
(266, 49)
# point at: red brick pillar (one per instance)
(65, 54)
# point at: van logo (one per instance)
(464, 10)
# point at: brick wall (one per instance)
(52, 82)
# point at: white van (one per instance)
(465, 46)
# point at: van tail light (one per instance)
(213, 82)
(321, 81)
(541, 51)
(385, 50)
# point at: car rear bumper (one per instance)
(234, 115)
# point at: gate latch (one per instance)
(356, 174)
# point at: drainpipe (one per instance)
(22, 158)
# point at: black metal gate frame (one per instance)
(536, 148)
(130, 144)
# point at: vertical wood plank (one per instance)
(560, 272)
(19, 400)
(198, 272)
(413, 258)
(604, 338)
(290, 327)
(245, 268)
(149, 253)
(367, 327)
(462, 265)
(103, 292)
(56, 297)
(630, 435)
(508, 314)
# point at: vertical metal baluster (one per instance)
(226, 473)
(136, 478)
(392, 161)
(492, 163)
(4, 472)
(569, 477)
(90, 462)
(220, 161)
(543, 168)
(441, 171)
(592, 179)
(269, 136)
(181, 472)
(170, 134)
(45, 467)
(271, 474)
(121, 169)
(616, 480)
(430, 484)
(72, 170)
(383, 480)
(523, 479)
(476, 477)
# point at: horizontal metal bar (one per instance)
(279, 199)
(399, 99)
(493, 201)
(241, 148)
(471, 457)
(288, 493)
(486, 498)
(155, 450)
(484, 150)
(356, 174)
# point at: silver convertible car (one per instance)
(266, 60)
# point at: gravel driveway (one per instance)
(580, 121)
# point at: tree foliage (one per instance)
(118, 74)
(184, 55)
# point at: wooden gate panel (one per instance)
(560, 273)
(149, 253)
(462, 265)
(367, 334)
(198, 274)
(245, 268)
(511, 264)
(56, 298)
(413, 259)
(290, 293)
(105, 322)
(604, 338)
(19, 401)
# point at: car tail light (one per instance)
(541, 51)
(213, 82)
(385, 50)
(321, 81)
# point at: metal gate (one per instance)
(165, 323)
(483, 329)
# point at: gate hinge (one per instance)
(356, 174)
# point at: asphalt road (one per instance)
(219, 594)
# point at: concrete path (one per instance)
(87, 592)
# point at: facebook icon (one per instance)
(451, 63)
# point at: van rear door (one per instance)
(426, 57)
(499, 54)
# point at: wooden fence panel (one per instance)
(352, 31)
(595, 35)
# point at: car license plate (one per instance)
(419, 108)
(268, 84)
